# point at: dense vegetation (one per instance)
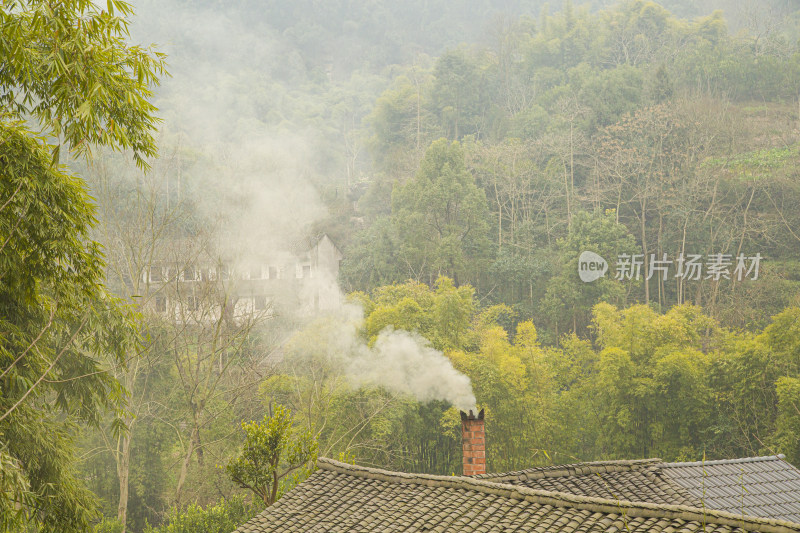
(69, 78)
(673, 385)
(462, 159)
(681, 131)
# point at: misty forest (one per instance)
(236, 236)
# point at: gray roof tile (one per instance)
(637, 480)
(345, 498)
(762, 486)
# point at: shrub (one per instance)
(223, 517)
(108, 525)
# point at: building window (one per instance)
(161, 304)
(155, 273)
(255, 272)
(189, 274)
(192, 303)
(224, 272)
(260, 303)
(273, 272)
(306, 271)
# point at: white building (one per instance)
(196, 286)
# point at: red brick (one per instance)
(473, 447)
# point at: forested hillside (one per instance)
(682, 134)
(545, 104)
(462, 160)
(461, 156)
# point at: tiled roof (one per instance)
(638, 481)
(758, 486)
(341, 498)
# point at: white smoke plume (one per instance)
(255, 175)
(399, 361)
(406, 363)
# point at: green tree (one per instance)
(222, 517)
(515, 383)
(400, 121)
(788, 426)
(69, 70)
(57, 325)
(653, 379)
(569, 301)
(273, 449)
(661, 88)
(441, 218)
(442, 315)
(371, 260)
(458, 94)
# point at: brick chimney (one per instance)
(473, 443)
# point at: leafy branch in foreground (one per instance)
(70, 69)
(273, 449)
(57, 325)
(68, 77)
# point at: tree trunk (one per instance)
(646, 263)
(659, 250)
(198, 445)
(123, 473)
(571, 173)
(566, 191)
(184, 469)
(274, 495)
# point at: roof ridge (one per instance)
(591, 467)
(560, 499)
(762, 458)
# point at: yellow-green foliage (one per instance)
(277, 453)
(443, 316)
(223, 517)
(514, 380)
(673, 385)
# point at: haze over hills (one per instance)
(365, 216)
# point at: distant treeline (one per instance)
(621, 131)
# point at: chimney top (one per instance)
(471, 416)
(473, 443)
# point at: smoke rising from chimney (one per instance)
(399, 361)
(405, 362)
(256, 182)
